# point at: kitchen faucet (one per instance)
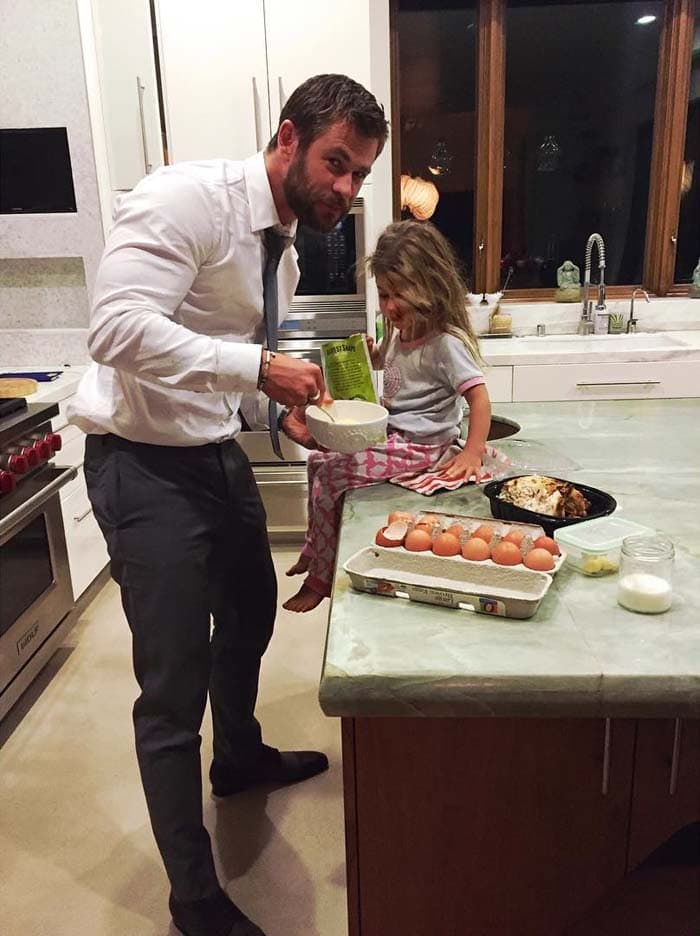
(585, 325)
(632, 321)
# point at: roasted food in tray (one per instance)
(552, 505)
(546, 496)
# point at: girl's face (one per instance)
(394, 307)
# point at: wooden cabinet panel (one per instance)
(483, 826)
(666, 783)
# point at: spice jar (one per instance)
(645, 583)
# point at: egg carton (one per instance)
(503, 591)
(501, 528)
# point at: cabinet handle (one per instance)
(83, 515)
(283, 99)
(675, 757)
(256, 115)
(261, 483)
(620, 383)
(140, 88)
(606, 757)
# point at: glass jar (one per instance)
(645, 582)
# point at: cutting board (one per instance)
(17, 387)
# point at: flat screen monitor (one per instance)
(35, 171)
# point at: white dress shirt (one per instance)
(177, 316)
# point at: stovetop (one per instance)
(11, 405)
(16, 424)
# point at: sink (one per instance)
(637, 342)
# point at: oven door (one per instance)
(35, 584)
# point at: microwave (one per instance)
(331, 266)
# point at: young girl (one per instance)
(430, 358)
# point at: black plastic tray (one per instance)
(602, 505)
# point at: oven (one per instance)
(36, 595)
(330, 303)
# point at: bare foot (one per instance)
(305, 600)
(299, 567)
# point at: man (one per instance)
(177, 308)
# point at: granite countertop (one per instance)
(51, 391)
(581, 654)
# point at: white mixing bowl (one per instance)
(358, 425)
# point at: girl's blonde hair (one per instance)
(419, 264)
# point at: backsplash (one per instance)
(47, 292)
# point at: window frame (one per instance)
(668, 149)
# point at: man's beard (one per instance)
(303, 198)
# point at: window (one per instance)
(437, 125)
(688, 247)
(554, 120)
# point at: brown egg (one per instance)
(400, 515)
(445, 544)
(541, 560)
(476, 549)
(506, 554)
(546, 542)
(515, 536)
(418, 540)
(484, 532)
(392, 535)
(456, 530)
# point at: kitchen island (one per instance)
(501, 776)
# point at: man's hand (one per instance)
(294, 382)
(293, 425)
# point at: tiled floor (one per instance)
(76, 853)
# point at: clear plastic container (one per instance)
(593, 547)
(646, 567)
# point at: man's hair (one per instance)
(327, 99)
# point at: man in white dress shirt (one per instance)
(174, 334)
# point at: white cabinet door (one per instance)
(125, 57)
(212, 60)
(87, 551)
(624, 381)
(312, 37)
(499, 383)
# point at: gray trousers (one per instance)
(185, 528)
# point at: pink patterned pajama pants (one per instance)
(331, 474)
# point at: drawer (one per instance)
(284, 493)
(499, 381)
(627, 381)
(87, 551)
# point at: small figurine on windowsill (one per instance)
(694, 291)
(569, 283)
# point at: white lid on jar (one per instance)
(602, 535)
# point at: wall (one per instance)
(43, 84)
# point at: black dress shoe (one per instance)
(274, 767)
(213, 916)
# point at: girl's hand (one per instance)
(465, 465)
(293, 425)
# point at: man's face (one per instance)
(323, 180)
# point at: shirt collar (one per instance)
(263, 213)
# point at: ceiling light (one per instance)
(645, 20)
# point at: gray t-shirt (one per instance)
(424, 381)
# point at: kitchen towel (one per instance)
(495, 465)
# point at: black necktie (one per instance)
(275, 244)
